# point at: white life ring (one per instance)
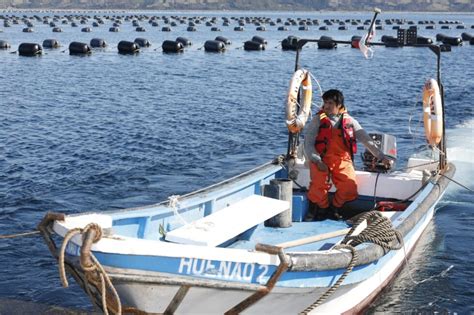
(432, 112)
(295, 120)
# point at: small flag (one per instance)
(367, 51)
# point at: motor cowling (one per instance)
(388, 145)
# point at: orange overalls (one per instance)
(339, 162)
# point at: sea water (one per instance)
(109, 131)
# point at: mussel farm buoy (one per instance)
(142, 42)
(453, 41)
(355, 41)
(289, 43)
(214, 46)
(30, 49)
(98, 43)
(50, 43)
(170, 46)
(127, 48)
(326, 42)
(4, 44)
(259, 39)
(250, 45)
(223, 39)
(78, 48)
(184, 41)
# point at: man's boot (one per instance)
(322, 214)
(311, 213)
(335, 213)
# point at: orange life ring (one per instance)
(297, 115)
(432, 112)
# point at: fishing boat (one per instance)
(241, 245)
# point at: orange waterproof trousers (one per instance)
(341, 172)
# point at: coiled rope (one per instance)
(93, 270)
(379, 231)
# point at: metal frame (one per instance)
(293, 139)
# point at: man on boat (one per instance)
(330, 145)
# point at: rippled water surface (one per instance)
(109, 131)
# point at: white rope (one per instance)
(320, 91)
(174, 203)
(442, 274)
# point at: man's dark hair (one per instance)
(334, 95)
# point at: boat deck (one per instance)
(298, 230)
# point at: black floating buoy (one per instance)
(50, 43)
(259, 40)
(390, 41)
(223, 39)
(4, 44)
(184, 41)
(326, 42)
(355, 41)
(78, 48)
(453, 41)
(191, 29)
(253, 46)
(126, 47)
(142, 42)
(98, 43)
(289, 43)
(420, 40)
(439, 37)
(114, 29)
(170, 46)
(466, 36)
(86, 30)
(214, 46)
(29, 49)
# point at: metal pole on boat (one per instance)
(442, 146)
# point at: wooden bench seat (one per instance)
(229, 222)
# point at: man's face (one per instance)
(330, 107)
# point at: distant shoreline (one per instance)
(45, 10)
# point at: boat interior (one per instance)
(233, 213)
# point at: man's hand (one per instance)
(321, 166)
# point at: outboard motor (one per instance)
(388, 145)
